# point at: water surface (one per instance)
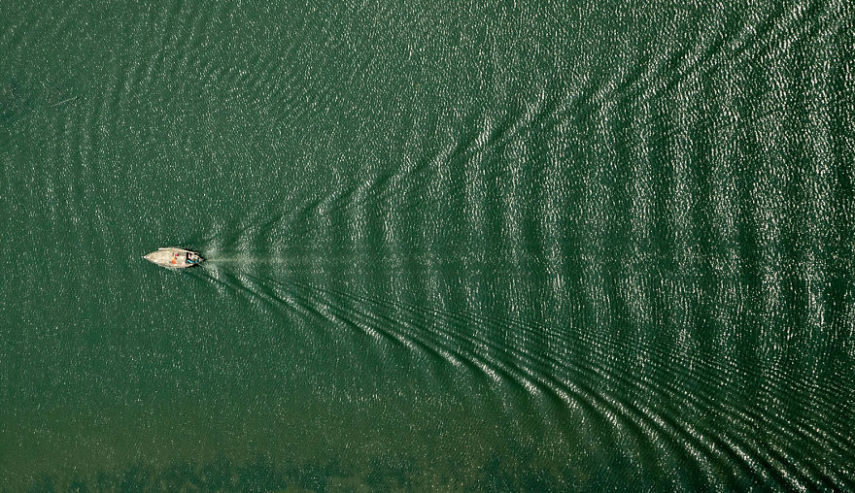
(528, 246)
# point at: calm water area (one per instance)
(533, 245)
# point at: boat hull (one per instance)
(174, 258)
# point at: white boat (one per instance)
(174, 258)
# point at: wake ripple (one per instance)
(659, 407)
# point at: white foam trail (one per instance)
(247, 260)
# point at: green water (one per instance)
(513, 246)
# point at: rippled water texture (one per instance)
(528, 246)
